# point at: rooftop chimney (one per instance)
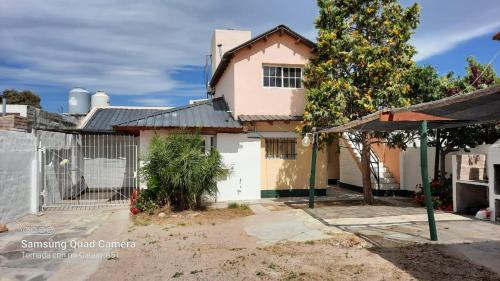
(224, 40)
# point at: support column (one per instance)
(425, 181)
(312, 178)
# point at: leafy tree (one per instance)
(26, 97)
(361, 55)
(178, 173)
(477, 76)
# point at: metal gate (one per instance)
(89, 170)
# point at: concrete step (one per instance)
(385, 180)
(386, 186)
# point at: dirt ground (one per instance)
(213, 245)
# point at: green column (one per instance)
(312, 178)
(425, 181)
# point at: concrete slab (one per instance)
(21, 260)
(288, 225)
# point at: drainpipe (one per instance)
(4, 106)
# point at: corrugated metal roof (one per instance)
(104, 118)
(250, 118)
(212, 113)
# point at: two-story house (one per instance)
(257, 101)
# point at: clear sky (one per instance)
(153, 52)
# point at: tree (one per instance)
(178, 173)
(362, 52)
(26, 97)
(477, 76)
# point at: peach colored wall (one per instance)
(228, 38)
(250, 97)
(225, 87)
(333, 160)
(390, 157)
(290, 174)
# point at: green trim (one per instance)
(380, 193)
(277, 193)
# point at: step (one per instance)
(385, 180)
(386, 186)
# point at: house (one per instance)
(256, 101)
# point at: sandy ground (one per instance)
(214, 245)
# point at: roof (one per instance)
(250, 118)
(102, 119)
(480, 106)
(226, 58)
(213, 113)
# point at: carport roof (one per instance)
(481, 106)
(212, 113)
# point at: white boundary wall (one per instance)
(18, 174)
(242, 156)
(349, 169)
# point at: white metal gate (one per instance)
(89, 170)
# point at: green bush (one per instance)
(178, 173)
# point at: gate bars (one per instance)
(89, 170)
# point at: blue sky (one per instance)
(152, 53)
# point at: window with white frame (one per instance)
(282, 77)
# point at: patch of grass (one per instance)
(141, 221)
(272, 265)
(196, 271)
(177, 274)
(232, 205)
(260, 273)
(235, 205)
(309, 242)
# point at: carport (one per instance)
(479, 107)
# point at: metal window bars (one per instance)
(89, 170)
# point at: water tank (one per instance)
(100, 99)
(78, 101)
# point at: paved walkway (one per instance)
(21, 259)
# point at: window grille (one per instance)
(281, 148)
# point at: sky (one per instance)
(153, 52)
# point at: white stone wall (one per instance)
(17, 174)
(242, 156)
(349, 169)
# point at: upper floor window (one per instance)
(282, 77)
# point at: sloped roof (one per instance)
(103, 119)
(250, 118)
(213, 113)
(226, 58)
(478, 107)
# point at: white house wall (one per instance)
(349, 170)
(17, 159)
(242, 156)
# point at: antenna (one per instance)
(206, 75)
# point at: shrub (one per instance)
(179, 173)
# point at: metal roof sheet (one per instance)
(250, 118)
(478, 107)
(104, 118)
(213, 113)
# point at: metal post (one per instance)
(312, 178)
(425, 181)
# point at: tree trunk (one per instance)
(438, 153)
(365, 168)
